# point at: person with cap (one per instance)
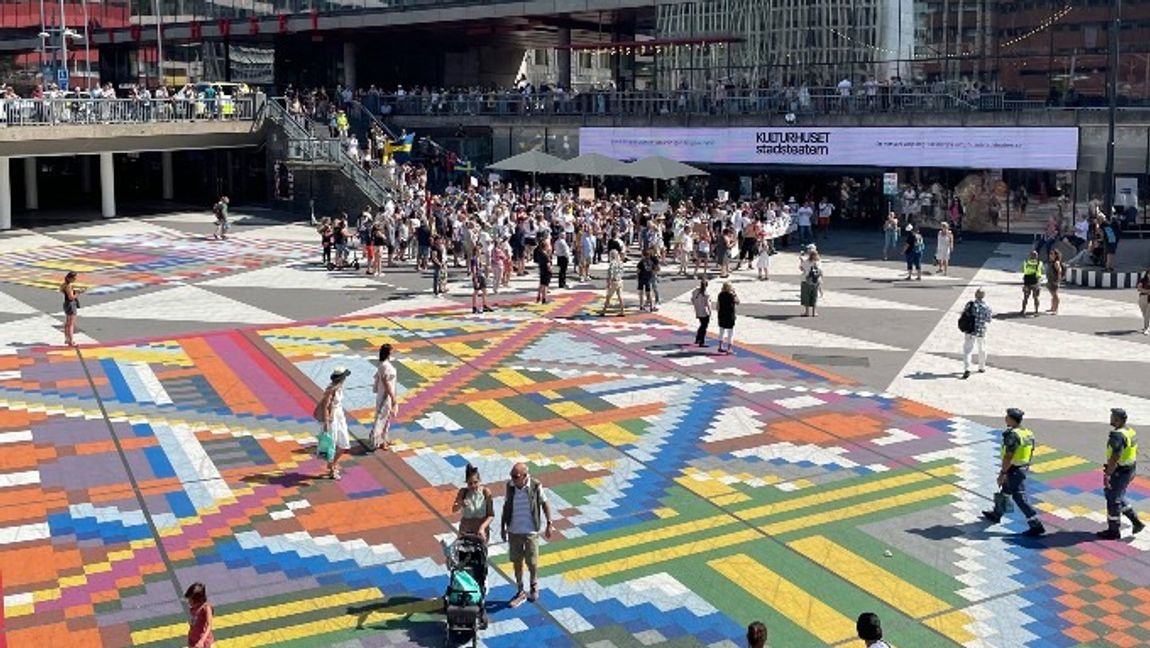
(869, 629)
(1017, 449)
(1121, 455)
(912, 249)
(335, 419)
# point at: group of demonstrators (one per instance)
(486, 235)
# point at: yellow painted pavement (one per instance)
(255, 615)
(497, 413)
(869, 577)
(786, 598)
(858, 510)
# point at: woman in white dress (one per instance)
(386, 400)
(766, 249)
(335, 420)
(944, 247)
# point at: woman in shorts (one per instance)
(71, 306)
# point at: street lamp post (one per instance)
(1112, 87)
(63, 45)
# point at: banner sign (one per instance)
(1042, 148)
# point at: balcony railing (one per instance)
(742, 101)
(55, 112)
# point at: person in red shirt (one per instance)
(200, 621)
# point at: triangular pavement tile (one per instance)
(183, 303)
(772, 334)
(41, 329)
(9, 304)
(934, 380)
(119, 227)
(295, 276)
(23, 240)
(1015, 338)
(776, 293)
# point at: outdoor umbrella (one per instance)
(533, 161)
(590, 164)
(659, 168)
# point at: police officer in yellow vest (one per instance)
(1121, 455)
(1016, 451)
(1032, 272)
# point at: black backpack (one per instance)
(966, 320)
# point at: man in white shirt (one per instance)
(524, 508)
(805, 215)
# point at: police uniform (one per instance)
(1121, 458)
(1015, 452)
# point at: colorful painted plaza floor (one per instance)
(693, 493)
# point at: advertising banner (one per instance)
(1041, 148)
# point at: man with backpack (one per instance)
(975, 316)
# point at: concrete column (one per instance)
(166, 168)
(349, 65)
(31, 188)
(563, 55)
(107, 186)
(5, 193)
(85, 164)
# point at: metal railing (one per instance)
(303, 146)
(54, 112)
(739, 101)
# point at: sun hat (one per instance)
(339, 373)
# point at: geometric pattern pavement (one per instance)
(692, 494)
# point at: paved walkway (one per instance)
(831, 466)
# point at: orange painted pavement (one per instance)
(235, 393)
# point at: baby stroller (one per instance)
(348, 257)
(463, 602)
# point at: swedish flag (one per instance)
(401, 149)
(465, 166)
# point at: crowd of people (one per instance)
(738, 94)
(50, 103)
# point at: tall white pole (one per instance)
(107, 185)
(5, 193)
(87, 49)
(159, 45)
(63, 43)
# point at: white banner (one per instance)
(1043, 148)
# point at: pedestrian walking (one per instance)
(200, 617)
(727, 300)
(1119, 471)
(1016, 452)
(975, 317)
(476, 503)
(1054, 279)
(1031, 281)
(757, 635)
(943, 248)
(386, 400)
(220, 209)
(702, 303)
(524, 509)
(335, 421)
(912, 250)
(71, 307)
(766, 249)
(614, 283)
(542, 258)
(889, 235)
(478, 284)
(811, 270)
(1144, 300)
(563, 258)
(438, 259)
(869, 629)
(644, 274)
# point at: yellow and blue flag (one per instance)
(400, 149)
